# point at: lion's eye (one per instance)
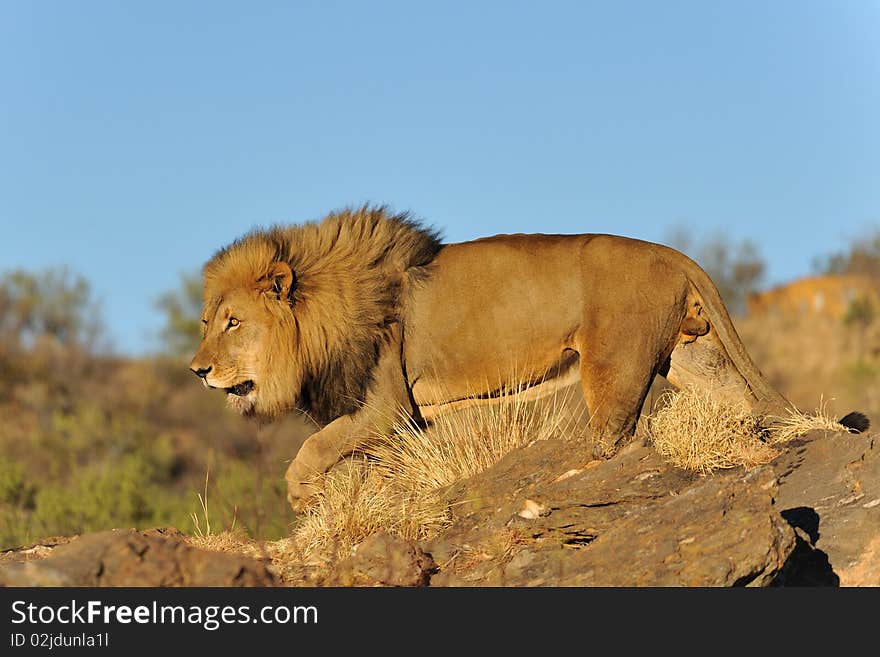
(233, 322)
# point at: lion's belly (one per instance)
(494, 315)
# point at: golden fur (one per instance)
(365, 314)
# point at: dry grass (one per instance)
(462, 444)
(697, 431)
(358, 501)
(798, 424)
(227, 541)
(398, 484)
(198, 530)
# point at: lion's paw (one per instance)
(301, 495)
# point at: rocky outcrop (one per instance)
(130, 558)
(629, 521)
(547, 515)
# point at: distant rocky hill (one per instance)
(829, 295)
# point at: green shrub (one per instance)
(129, 493)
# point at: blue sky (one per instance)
(137, 138)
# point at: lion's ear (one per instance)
(279, 280)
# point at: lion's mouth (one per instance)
(241, 389)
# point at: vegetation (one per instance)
(53, 304)
(859, 372)
(862, 256)
(181, 307)
(91, 441)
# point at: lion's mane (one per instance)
(350, 271)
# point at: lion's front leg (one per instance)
(386, 401)
(318, 454)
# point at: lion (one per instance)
(367, 315)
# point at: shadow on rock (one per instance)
(807, 566)
(804, 518)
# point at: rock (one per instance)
(385, 560)
(629, 521)
(724, 531)
(549, 515)
(830, 491)
(132, 558)
(34, 551)
(532, 510)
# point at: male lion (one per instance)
(366, 314)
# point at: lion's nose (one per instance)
(202, 372)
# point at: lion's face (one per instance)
(241, 328)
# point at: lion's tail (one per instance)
(856, 422)
(720, 321)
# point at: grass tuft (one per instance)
(797, 424)
(695, 430)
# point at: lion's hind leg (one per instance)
(616, 379)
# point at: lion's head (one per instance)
(247, 324)
(293, 316)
